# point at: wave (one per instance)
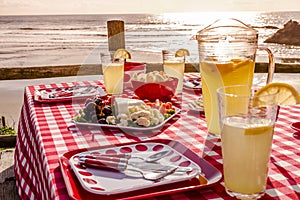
(55, 29)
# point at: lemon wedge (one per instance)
(285, 94)
(182, 52)
(258, 130)
(122, 54)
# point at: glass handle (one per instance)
(271, 68)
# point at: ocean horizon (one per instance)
(47, 40)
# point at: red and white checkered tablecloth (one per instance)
(46, 132)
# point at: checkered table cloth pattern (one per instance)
(45, 132)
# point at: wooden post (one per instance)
(116, 35)
(3, 121)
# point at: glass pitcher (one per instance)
(227, 50)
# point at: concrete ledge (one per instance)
(95, 69)
(8, 190)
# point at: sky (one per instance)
(29, 7)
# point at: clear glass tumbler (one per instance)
(113, 73)
(247, 125)
(174, 67)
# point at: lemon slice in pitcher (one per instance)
(182, 53)
(122, 54)
(285, 94)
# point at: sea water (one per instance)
(52, 39)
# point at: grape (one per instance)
(89, 100)
(101, 116)
(98, 101)
(96, 110)
(107, 110)
(90, 107)
(94, 118)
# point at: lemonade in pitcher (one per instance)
(227, 50)
(215, 75)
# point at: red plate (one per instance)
(77, 192)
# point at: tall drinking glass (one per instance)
(113, 73)
(174, 67)
(227, 50)
(247, 124)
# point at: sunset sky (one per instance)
(27, 7)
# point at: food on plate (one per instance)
(154, 85)
(125, 112)
(151, 77)
(197, 105)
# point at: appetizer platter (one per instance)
(124, 113)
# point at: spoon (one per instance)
(153, 176)
(123, 167)
(157, 156)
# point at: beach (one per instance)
(77, 40)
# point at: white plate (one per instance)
(188, 84)
(68, 93)
(130, 130)
(100, 181)
(194, 105)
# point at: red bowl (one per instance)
(163, 91)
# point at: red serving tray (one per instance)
(77, 192)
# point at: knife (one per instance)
(120, 161)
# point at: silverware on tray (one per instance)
(148, 167)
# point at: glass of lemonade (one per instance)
(113, 73)
(174, 67)
(247, 124)
(227, 50)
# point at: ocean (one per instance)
(72, 39)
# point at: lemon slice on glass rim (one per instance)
(122, 54)
(182, 53)
(286, 94)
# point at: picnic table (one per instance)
(46, 132)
